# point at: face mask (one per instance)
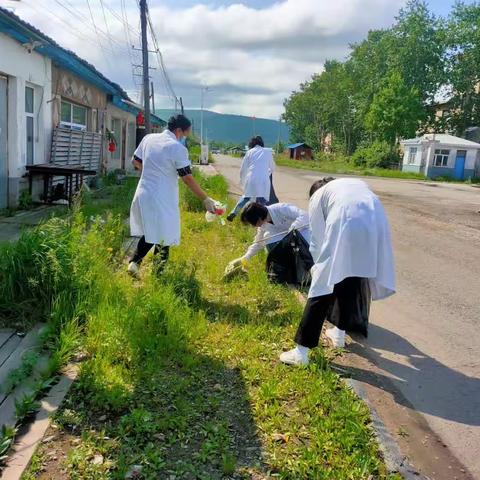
(183, 141)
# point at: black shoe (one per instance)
(231, 217)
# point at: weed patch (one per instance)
(181, 375)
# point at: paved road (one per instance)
(427, 337)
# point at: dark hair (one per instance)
(319, 184)
(252, 213)
(258, 140)
(179, 121)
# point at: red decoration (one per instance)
(140, 119)
(112, 147)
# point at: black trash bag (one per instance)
(358, 322)
(273, 196)
(290, 261)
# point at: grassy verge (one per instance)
(181, 378)
(341, 166)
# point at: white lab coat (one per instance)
(257, 166)
(285, 217)
(155, 210)
(350, 238)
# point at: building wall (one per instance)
(449, 170)
(471, 161)
(66, 85)
(126, 146)
(416, 166)
(34, 70)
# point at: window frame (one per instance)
(30, 118)
(71, 124)
(444, 155)
(117, 154)
(411, 159)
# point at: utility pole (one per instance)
(146, 79)
(153, 98)
(181, 106)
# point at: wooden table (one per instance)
(50, 170)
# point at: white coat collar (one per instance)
(170, 134)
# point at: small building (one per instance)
(299, 151)
(441, 155)
(56, 108)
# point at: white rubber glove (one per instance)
(235, 263)
(209, 204)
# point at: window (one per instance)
(73, 116)
(412, 155)
(441, 158)
(132, 137)
(117, 133)
(30, 124)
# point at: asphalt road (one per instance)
(426, 338)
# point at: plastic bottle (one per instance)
(220, 209)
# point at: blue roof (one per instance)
(296, 145)
(23, 32)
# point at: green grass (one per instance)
(339, 165)
(181, 373)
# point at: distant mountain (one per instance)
(236, 129)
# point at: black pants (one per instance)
(143, 248)
(317, 308)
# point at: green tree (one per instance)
(396, 110)
(463, 40)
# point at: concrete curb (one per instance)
(394, 460)
(26, 444)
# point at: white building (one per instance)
(25, 114)
(442, 155)
(57, 109)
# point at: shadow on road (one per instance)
(434, 388)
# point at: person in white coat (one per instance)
(255, 176)
(155, 211)
(273, 223)
(350, 241)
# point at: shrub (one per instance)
(377, 154)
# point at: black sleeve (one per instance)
(182, 172)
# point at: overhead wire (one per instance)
(161, 62)
(98, 35)
(106, 24)
(71, 28)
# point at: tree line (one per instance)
(390, 84)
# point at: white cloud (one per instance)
(252, 58)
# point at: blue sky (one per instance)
(251, 53)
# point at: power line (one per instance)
(122, 18)
(161, 62)
(106, 24)
(96, 31)
(71, 28)
(84, 20)
(129, 43)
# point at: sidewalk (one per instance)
(11, 227)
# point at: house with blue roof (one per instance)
(57, 108)
(299, 151)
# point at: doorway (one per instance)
(3, 142)
(459, 172)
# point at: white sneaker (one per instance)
(133, 269)
(336, 336)
(294, 357)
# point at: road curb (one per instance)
(26, 444)
(394, 460)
